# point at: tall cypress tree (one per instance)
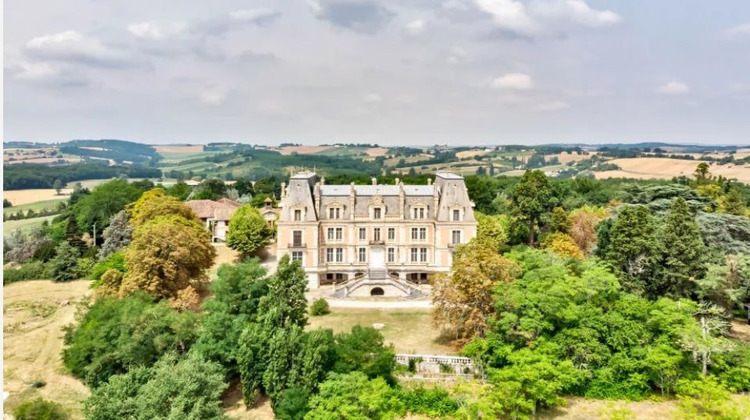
(681, 253)
(73, 234)
(631, 249)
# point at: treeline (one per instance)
(31, 175)
(117, 150)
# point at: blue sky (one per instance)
(392, 72)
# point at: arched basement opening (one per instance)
(377, 291)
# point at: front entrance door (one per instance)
(377, 257)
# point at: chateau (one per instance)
(374, 239)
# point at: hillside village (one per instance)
(296, 282)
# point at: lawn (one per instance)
(410, 330)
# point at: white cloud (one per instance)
(739, 30)
(519, 81)
(74, 47)
(674, 88)
(372, 98)
(545, 17)
(415, 27)
(576, 11)
(552, 106)
(458, 55)
(509, 15)
(156, 30)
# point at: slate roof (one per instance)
(366, 190)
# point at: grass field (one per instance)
(664, 168)
(36, 206)
(25, 225)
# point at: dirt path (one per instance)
(34, 314)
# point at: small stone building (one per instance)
(215, 215)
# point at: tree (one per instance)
(355, 397)
(559, 222)
(236, 291)
(210, 189)
(632, 247)
(180, 190)
(58, 186)
(7, 203)
(190, 388)
(117, 235)
(364, 350)
(248, 231)
(733, 202)
(563, 244)
(105, 201)
(166, 255)
(285, 304)
(726, 285)
(20, 247)
(702, 173)
(117, 335)
(725, 234)
(681, 253)
(463, 301)
(492, 231)
(65, 262)
(73, 234)
(155, 203)
(583, 226)
(663, 362)
(704, 339)
(532, 198)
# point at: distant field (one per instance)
(36, 206)
(664, 168)
(179, 149)
(288, 150)
(24, 225)
(471, 153)
(21, 197)
(377, 151)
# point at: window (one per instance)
(419, 212)
(376, 234)
(455, 237)
(422, 234)
(329, 255)
(334, 213)
(414, 254)
(335, 234)
(297, 256)
(414, 234)
(376, 213)
(391, 255)
(297, 215)
(362, 255)
(297, 238)
(362, 234)
(339, 254)
(330, 234)
(423, 254)
(456, 215)
(391, 234)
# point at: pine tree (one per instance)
(73, 234)
(681, 253)
(631, 247)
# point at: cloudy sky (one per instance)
(392, 72)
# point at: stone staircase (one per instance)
(378, 278)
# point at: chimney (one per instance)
(397, 181)
(374, 181)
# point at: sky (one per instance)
(393, 72)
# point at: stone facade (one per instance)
(392, 235)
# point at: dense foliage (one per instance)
(248, 231)
(33, 175)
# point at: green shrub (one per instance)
(413, 363)
(320, 307)
(292, 405)
(39, 409)
(431, 402)
(65, 263)
(46, 251)
(33, 270)
(114, 261)
(83, 267)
